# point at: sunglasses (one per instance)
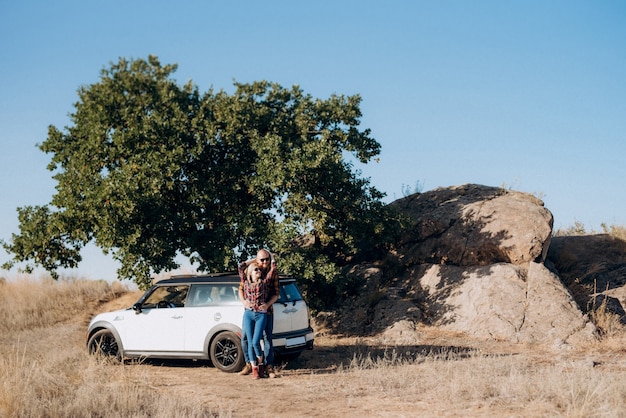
(263, 260)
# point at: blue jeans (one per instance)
(268, 344)
(253, 327)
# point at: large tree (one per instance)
(149, 169)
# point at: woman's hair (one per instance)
(250, 269)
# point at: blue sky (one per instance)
(526, 94)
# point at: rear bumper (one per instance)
(293, 342)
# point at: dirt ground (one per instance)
(320, 382)
(311, 386)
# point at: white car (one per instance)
(198, 317)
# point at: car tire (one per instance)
(226, 352)
(103, 343)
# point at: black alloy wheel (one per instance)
(226, 352)
(104, 343)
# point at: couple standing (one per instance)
(258, 290)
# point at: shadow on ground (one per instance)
(327, 359)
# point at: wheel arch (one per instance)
(215, 331)
(100, 325)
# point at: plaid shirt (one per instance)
(259, 293)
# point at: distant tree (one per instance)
(417, 188)
(150, 169)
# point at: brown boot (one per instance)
(255, 372)
(261, 367)
(247, 369)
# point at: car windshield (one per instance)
(289, 292)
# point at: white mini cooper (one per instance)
(198, 317)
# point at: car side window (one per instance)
(213, 294)
(167, 297)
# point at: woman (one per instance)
(254, 293)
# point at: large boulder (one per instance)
(474, 225)
(503, 302)
(594, 269)
(471, 261)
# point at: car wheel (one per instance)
(226, 352)
(104, 343)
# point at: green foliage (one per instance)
(43, 240)
(149, 169)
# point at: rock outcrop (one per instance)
(505, 302)
(594, 268)
(474, 225)
(472, 262)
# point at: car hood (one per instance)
(111, 316)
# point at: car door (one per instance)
(160, 325)
(209, 305)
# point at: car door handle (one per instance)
(177, 317)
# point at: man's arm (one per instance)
(270, 302)
(275, 282)
(242, 270)
(272, 274)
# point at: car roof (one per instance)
(225, 277)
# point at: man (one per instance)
(264, 259)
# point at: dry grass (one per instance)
(509, 384)
(616, 231)
(45, 369)
(608, 323)
(579, 229)
(46, 372)
(34, 303)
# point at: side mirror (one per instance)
(137, 308)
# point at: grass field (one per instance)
(46, 372)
